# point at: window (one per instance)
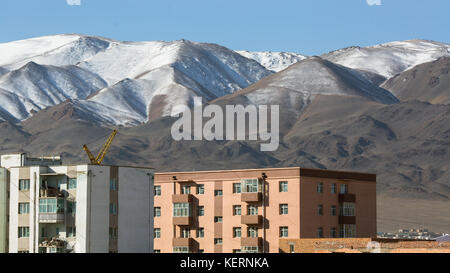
(252, 210)
(252, 232)
(218, 219)
(283, 186)
(182, 210)
(113, 184)
(24, 208)
(55, 250)
(157, 190)
(180, 249)
(237, 210)
(347, 231)
(185, 233)
(201, 189)
(249, 249)
(320, 232)
(218, 193)
(113, 233)
(24, 232)
(201, 211)
(71, 231)
(24, 184)
(186, 189)
(348, 209)
(71, 207)
(236, 187)
(333, 188)
(250, 185)
(237, 232)
(333, 211)
(218, 241)
(291, 247)
(157, 251)
(343, 189)
(113, 208)
(333, 233)
(320, 187)
(51, 205)
(157, 211)
(284, 232)
(237, 251)
(283, 209)
(320, 210)
(72, 183)
(157, 233)
(200, 232)
(201, 251)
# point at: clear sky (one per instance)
(310, 27)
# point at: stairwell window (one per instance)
(333, 211)
(218, 193)
(113, 208)
(24, 232)
(113, 233)
(343, 189)
(113, 184)
(218, 241)
(71, 232)
(24, 208)
(218, 219)
(24, 184)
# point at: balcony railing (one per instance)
(347, 220)
(51, 193)
(250, 241)
(183, 242)
(182, 221)
(51, 218)
(182, 198)
(251, 219)
(251, 197)
(347, 198)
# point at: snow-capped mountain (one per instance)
(123, 75)
(274, 61)
(391, 58)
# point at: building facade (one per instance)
(80, 209)
(250, 210)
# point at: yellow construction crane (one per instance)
(101, 155)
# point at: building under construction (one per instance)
(47, 207)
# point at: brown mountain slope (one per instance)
(426, 82)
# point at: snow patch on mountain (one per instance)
(274, 61)
(391, 58)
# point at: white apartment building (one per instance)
(80, 209)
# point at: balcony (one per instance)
(51, 218)
(347, 220)
(251, 219)
(182, 221)
(347, 198)
(251, 197)
(249, 241)
(183, 242)
(182, 198)
(51, 193)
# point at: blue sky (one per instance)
(310, 27)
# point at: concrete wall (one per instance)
(135, 210)
(4, 210)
